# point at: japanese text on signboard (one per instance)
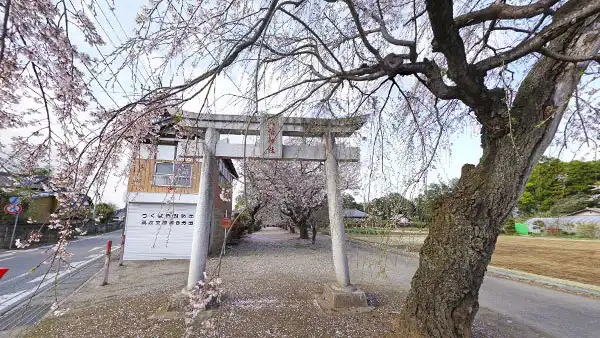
(168, 218)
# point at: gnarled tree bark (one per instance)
(443, 299)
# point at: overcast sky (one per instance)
(116, 25)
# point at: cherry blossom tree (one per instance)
(253, 198)
(295, 189)
(521, 73)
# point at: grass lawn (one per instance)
(575, 260)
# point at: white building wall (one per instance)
(156, 231)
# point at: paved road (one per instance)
(556, 313)
(19, 283)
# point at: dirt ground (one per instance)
(569, 259)
(270, 283)
(575, 260)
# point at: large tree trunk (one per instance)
(303, 231)
(443, 299)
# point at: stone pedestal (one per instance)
(335, 297)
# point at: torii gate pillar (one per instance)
(341, 295)
(204, 209)
(336, 219)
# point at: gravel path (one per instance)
(270, 282)
(272, 278)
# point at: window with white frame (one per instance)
(168, 174)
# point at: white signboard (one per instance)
(156, 231)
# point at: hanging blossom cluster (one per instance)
(56, 311)
(40, 63)
(206, 293)
(44, 91)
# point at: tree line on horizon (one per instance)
(555, 188)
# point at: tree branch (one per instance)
(502, 11)
(448, 41)
(412, 56)
(560, 25)
(561, 57)
(361, 31)
(4, 30)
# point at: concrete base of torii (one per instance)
(338, 298)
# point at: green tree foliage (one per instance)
(25, 196)
(3, 201)
(391, 205)
(105, 211)
(571, 204)
(240, 203)
(556, 187)
(348, 202)
(428, 200)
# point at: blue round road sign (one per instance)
(13, 208)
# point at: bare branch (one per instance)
(448, 41)
(559, 26)
(561, 57)
(361, 31)
(502, 11)
(412, 56)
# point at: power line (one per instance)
(104, 58)
(123, 30)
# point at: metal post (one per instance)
(204, 209)
(224, 247)
(12, 237)
(106, 262)
(336, 220)
(122, 250)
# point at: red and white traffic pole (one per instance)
(106, 262)
(121, 250)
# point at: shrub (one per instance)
(509, 227)
(351, 223)
(422, 225)
(590, 230)
(367, 231)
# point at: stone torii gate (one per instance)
(271, 130)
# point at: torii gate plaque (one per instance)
(271, 137)
(271, 130)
